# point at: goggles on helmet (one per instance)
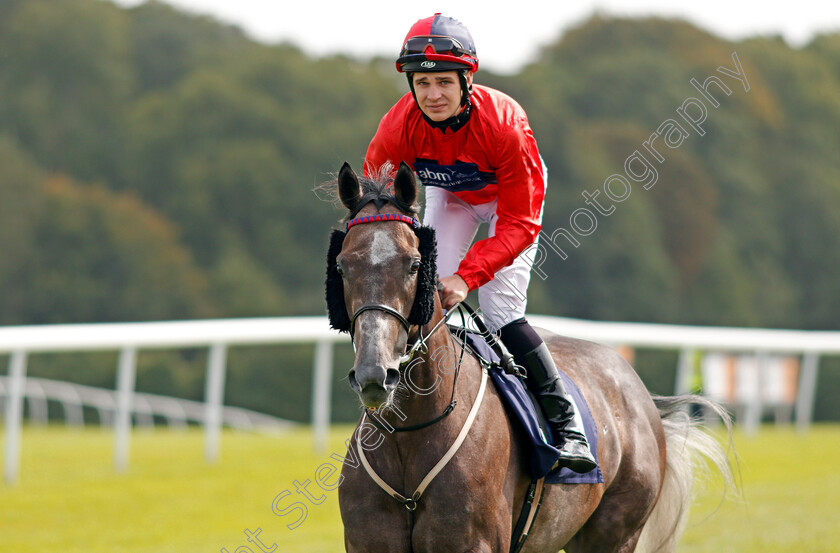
(439, 44)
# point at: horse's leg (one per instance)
(600, 541)
(373, 522)
(379, 532)
(632, 448)
(617, 523)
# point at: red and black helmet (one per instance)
(437, 43)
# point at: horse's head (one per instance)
(380, 277)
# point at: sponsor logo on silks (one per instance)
(428, 64)
(458, 177)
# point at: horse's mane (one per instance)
(378, 188)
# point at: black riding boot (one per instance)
(563, 416)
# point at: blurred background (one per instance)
(157, 162)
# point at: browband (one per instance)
(384, 217)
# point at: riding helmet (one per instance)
(437, 43)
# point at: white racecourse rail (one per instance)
(128, 338)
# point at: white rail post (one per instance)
(807, 389)
(14, 415)
(755, 405)
(321, 384)
(126, 378)
(685, 370)
(38, 413)
(214, 389)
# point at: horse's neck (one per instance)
(428, 380)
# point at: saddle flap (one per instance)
(522, 408)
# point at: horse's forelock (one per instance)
(380, 190)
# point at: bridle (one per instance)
(410, 502)
(378, 307)
(405, 359)
(420, 343)
(415, 224)
(421, 313)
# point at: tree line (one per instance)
(158, 165)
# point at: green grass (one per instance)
(69, 498)
(791, 497)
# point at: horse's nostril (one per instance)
(392, 378)
(354, 384)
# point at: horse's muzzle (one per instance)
(374, 385)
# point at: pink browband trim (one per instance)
(384, 217)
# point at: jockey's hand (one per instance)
(452, 290)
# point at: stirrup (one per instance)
(576, 456)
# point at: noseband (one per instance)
(378, 307)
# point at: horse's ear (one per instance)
(405, 185)
(348, 187)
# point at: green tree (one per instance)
(64, 78)
(97, 256)
(21, 206)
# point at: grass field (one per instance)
(69, 499)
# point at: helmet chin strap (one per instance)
(459, 119)
(466, 88)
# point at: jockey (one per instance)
(473, 149)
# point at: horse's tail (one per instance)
(692, 453)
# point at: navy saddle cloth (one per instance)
(521, 409)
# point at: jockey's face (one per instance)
(439, 94)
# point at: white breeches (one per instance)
(503, 299)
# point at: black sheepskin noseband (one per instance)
(424, 299)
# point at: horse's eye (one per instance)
(339, 270)
(415, 266)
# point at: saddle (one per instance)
(523, 408)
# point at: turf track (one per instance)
(69, 499)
